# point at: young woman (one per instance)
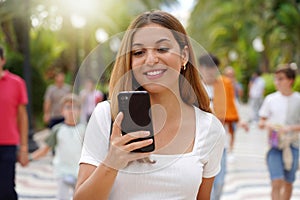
(156, 56)
(280, 114)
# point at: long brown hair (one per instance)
(191, 89)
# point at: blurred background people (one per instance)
(256, 94)
(280, 115)
(89, 96)
(237, 86)
(54, 93)
(221, 94)
(238, 94)
(13, 129)
(66, 139)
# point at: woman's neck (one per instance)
(168, 103)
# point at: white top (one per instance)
(257, 88)
(68, 149)
(277, 107)
(172, 176)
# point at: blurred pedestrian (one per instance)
(13, 129)
(66, 138)
(229, 72)
(222, 101)
(54, 93)
(89, 96)
(238, 93)
(280, 115)
(256, 94)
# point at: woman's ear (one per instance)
(185, 55)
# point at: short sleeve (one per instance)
(23, 93)
(51, 140)
(48, 92)
(264, 110)
(216, 141)
(97, 134)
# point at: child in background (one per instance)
(66, 139)
(280, 115)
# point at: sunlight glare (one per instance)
(79, 7)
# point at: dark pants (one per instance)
(8, 158)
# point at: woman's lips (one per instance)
(154, 74)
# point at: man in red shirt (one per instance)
(13, 129)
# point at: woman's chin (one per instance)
(154, 88)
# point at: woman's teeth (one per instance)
(153, 73)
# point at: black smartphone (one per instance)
(136, 108)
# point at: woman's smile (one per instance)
(155, 74)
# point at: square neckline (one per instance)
(191, 153)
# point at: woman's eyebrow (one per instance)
(157, 42)
(137, 44)
(162, 40)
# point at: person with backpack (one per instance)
(66, 139)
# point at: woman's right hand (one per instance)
(119, 154)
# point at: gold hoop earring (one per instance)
(184, 67)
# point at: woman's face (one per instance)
(156, 58)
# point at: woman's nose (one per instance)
(151, 58)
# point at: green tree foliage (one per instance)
(231, 26)
(55, 42)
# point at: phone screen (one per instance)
(136, 108)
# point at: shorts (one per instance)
(276, 165)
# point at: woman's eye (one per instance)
(137, 53)
(163, 49)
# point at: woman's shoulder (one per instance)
(203, 113)
(210, 131)
(103, 106)
(101, 114)
(208, 120)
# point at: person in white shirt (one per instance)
(256, 94)
(156, 56)
(280, 115)
(66, 139)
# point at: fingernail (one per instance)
(145, 133)
(150, 140)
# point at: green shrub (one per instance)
(297, 84)
(270, 87)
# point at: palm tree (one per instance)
(226, 26)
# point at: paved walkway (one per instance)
(247, 177)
